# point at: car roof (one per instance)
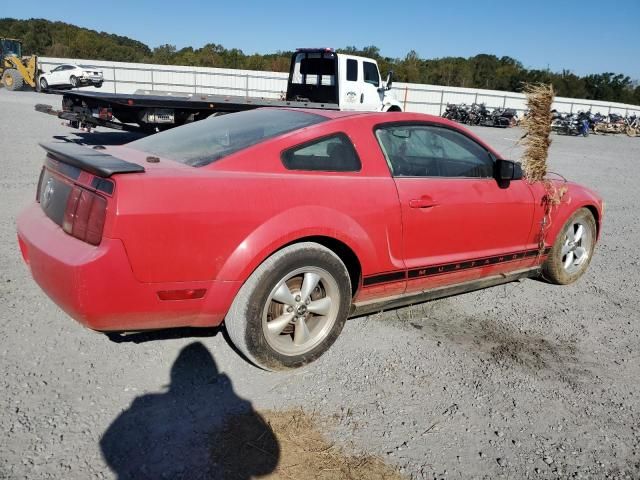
(381, 116)
(331, 114)
(392, 117)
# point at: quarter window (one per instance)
(330, 154)
(371, 74)
(352, 70)
(430, 151)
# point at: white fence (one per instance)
(120, 77)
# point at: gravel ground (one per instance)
(526, 380)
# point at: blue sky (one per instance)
(583, 36)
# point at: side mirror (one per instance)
(389, 81)
(507, 170)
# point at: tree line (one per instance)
(58, 39)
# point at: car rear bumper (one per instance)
(95, 284)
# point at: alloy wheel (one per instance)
(301, 310)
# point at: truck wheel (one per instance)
(98, 85)
(292, 308)
(73, 80)
(571, 253)
(12, 80)
(44, 85)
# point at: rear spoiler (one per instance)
(93, 161)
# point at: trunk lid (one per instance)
(74, 187)
(91, 160)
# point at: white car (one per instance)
(72, 75)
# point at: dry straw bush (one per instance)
(537, 131)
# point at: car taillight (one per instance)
(85, 215)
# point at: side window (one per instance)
(371, 73)
(330, 154)
(352, 70)
(431, 151)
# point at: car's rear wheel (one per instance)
(73, 80)
(572, 251)
(292, 308)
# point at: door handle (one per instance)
(362, 98)
(424, 202)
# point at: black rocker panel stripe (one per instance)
(384, 278)
(433, 270)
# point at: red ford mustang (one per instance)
(282, 223)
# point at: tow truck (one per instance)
(318, 78)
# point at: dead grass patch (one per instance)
(287, 445)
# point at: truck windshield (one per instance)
(201, 143)
(10, 47)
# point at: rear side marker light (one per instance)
(85, 215)
(188, 294)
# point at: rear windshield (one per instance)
(201, 143)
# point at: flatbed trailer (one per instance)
(318, 78)
(150, 111)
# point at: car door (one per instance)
(459, 223)
(61, 75)
(371, 97)
(52, 76)
(351, 84)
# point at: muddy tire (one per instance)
(12, 80)
(73, 80)
(572, 251)
(292, 308)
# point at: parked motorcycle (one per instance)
(632, 126)
(613, 123)
(571, 123)
(504, 117)
(479, 114)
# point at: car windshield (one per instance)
(89, 67)
(201, 143)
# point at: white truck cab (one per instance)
(352, 82)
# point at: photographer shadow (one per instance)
(181, 434)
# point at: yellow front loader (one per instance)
(15, 70)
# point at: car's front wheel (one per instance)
(292, 308)
(44, 85)
(571, 253)
(73, 80)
